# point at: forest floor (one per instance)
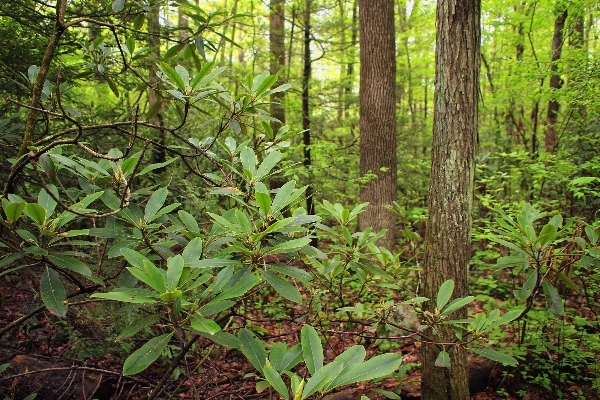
(72, 359)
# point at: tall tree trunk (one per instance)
(306, 106)
(277, 61)
(378, 115)
(154, 98)
(555, 81)
(448, 237)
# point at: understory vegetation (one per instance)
(163, 233)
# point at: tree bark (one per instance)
(448, 237)
(277, 62)
(377, 97)
(555, 81)
(306, 107)
(154, 98)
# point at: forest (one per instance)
(301, 199)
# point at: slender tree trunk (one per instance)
(555, 81)
(306, 72)
(378, 115)
(154, 98)
(448, 237)
(277, 61)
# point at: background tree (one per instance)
(448, 239)
(378, 115)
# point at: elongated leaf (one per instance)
(290, 271)
(214, 263)
(349, 359)
(374, 368)
(239, 289)
(268, 163)
(494, 355)
(124, 297)
(507, 317)
(276, 382)
(311, 348)
(291, 358)
(155, 166)
(215, 307)
(445, 293)
(290, 246)
(282, 286)
(109, 233)
(556, 304)
(204, 324)
(36, 213)
(146, 355)
(387, 394)
(70, 263)
(320, 378)
(223, 339)
(155, 202)
(264, 201)
(253, 348)
(155, 278)
(174, 270)
(46, 201)
(456, 304)
(53, 293)
(193, 251)
(134, 258)
(189, 221)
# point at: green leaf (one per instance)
(193, 251)
(494, 355)
(134, 258)
(456, 304)
(320, 378)
(204, 324)
(146, 355)
(36, 212)
(374, 368)
(443, 359)
(113, 86)
(172, 52)
(155, 202)
(124, 297)
(275, 380)
(264, 201)
(386, 393)
(53, 293)
(215, 307)
(268, 163)
(507, 317)
(349, 359)
(445, 293)
(253, 348)
(283, 287)
(312, 349)
(174, 270)
(289, 246)
(13, 211)
(239, 289)
(290, 271)
(46, 201)
(155, 277)
(118, 5)
(155, 166)
(189, 221)
(556, 304)
(4, 367)
(70, 263)
(224, 339)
